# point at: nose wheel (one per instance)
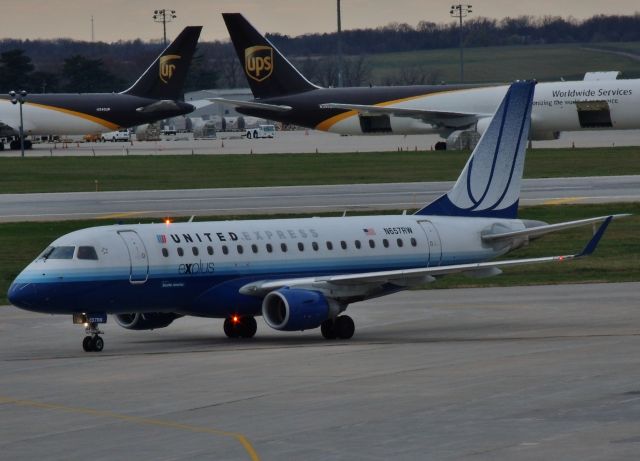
(93, 342)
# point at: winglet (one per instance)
(593, 243)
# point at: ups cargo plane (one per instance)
(298, 274)
(283, 94)
(156, 95)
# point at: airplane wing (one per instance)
(252, 104)
(451, 118)
(362, 284)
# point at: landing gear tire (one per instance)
(248, 327)
(97, 344)
(93, 343)
(248, 134)
(243, 327)
(341, 328)
(327, 328)
(230, 329)
(344, 327)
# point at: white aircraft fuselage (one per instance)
(554, 108)
(198, 268)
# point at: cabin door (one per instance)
(139, 262)
(433, 239)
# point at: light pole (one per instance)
(460, 11)
(339, 45)
(164, 16)
(19, 98)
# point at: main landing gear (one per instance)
(341, 327)
(240, 327)
(92, 342)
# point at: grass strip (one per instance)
(79, 174)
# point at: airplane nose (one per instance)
(23, 295)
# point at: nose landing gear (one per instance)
(92, 342)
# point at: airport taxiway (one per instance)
(522, 373)
(293, 199)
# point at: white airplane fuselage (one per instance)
(198, 268)
(554, 108)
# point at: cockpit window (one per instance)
(64, 252)
(87, 253)
(45, 254)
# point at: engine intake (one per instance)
(147, 321)
(292, 309)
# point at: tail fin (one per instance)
(489, 185)
(268, 72)
(164, 79)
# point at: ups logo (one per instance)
(258, 62)
(166, 67)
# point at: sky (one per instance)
(130, 19)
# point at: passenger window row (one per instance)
(284, 247)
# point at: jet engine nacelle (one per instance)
(292, 309)
(482, 125)
(148, 321)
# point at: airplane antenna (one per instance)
(344, 215)
(93, 38)
(191, 218)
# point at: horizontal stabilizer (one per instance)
(159, 106)
(251, 104)
(539, 231)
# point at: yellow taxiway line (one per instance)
(246, 444)
(563, 201)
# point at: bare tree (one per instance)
(356, 71)
(230, 70)
(413, 75)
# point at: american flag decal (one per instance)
(161, 238)
(369, 231)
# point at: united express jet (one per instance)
(298, 274)
(283, 94)
(156, 95)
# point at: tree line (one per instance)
(77, 66)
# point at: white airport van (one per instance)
(261, 131)
(120, 135)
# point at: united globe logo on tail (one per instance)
(166, 67)
(258, 62)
